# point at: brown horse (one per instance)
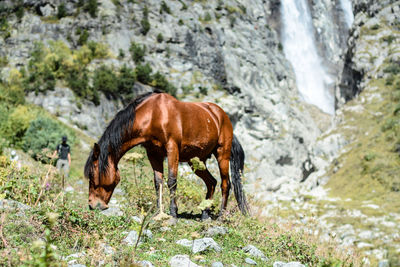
(166, 127)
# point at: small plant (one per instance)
(164, 8)
(203, 90)
(180, 22)
(61, 11)
(92, 8)
(143, 73)
(138, 52)
(20, 11)
(83, 37)
(145, 21)
(121, 54)
(160, 38)
(207, 17)
(375, 27)
(105, 80)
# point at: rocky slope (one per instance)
(230, 45)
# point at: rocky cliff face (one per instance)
(228, 45)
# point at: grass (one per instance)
(78, 229)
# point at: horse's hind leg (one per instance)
(222, 156)
(210, 182)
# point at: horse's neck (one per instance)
(128, 145)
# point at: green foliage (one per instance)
(143, 73)
(375, 27)
(105, 80)
(121, 54)
(203, 90)
(126, 80)
(187, 89)
(180, 22)
(164, 8)
(17, 123)
(393, 68)
(42, 137)
(145, 26)
(20, 11)
(160, 38)
(3, 61)
(159, 81)
(207, 17)
(137, 52)
(61, 11)
(92, 8)
(83, 37)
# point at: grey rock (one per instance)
(182, 261)
(147, 233)
(250, 261)
(76, 265)
(206, 243)
(108, 250)
(252, 250)
(12, 205)
(217, 264)
(131, 238)
(185, 242)
(113, 211)
(165, 229)
(216, 230)
(290, 264)
(137, 219)
(145, 263)
(47, 10)
(384, 263)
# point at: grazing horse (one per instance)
(167, 127)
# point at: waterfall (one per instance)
(300, 49)
(348, 12)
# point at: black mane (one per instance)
(111, 140)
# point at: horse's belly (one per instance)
(202, 151)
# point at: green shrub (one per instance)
(43, 136)
(20, 11)
(105, 80)
(159, 81)
(98, 50)
(126, 80)
(207, 17)
(393, 68)
(17, 123)
(83, 37)
(121, 54)
(138, 52)
(203, 90)
(164, 8)
(143, 73)
(61, 11)
(160, 38)
(180, 22)
(145, 26)
(92, 8)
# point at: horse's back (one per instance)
(196, 128)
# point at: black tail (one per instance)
(237, 163)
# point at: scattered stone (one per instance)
(290, 264)
(145, 263)
(217, 264)
(74, 256)
(165, 229)
(147, 233)
(76, 265)
(182, 260)
(12, 205)
(131, 238)
(108, 250)
(216, 230)
(250, 261)
(113, 211)
(136, 219)
(383, 263)
(185, 242)
(69, 189)
(253, 251)
(203, 244)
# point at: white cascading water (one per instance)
(300, 49)
(348, 12)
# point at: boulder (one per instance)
(182, 260)
(253, 251)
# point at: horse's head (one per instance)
(102, 181)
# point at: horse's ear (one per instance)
(96, 151)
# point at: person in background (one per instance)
(64, 157)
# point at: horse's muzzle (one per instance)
(98, 207)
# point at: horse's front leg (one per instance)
(173, 163)
(157, 164)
